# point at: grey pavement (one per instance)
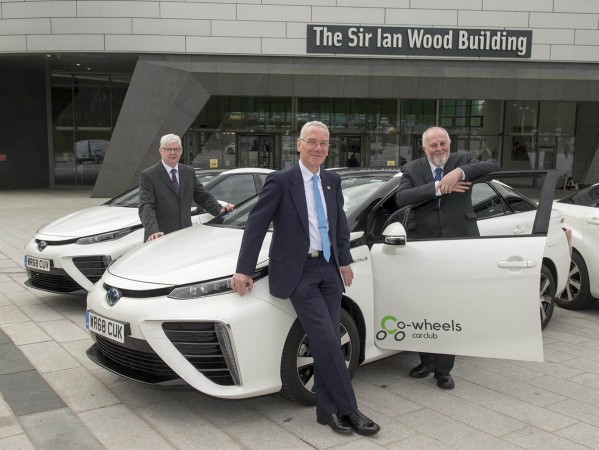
(53, 397)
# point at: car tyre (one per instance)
(297, 364)
(577, 294)
(546, 295)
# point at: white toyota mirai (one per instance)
(581, 213)
(69, 254)
(164, 314)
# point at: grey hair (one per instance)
(169, 138)
(314, 123)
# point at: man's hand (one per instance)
(347, 274)
(452, 182)
(228, 207)
(155, 236)
(240, 281)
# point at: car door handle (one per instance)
(519, 229)
(593, 220)
(517, 264)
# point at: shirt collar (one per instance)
(169, 168)
(306, 174)
(433, 167)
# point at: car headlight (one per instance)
(96, 238)
(210, 287)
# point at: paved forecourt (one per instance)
(52, 396)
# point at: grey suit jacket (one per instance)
(162, 208)
(283, 202)
(450, 215)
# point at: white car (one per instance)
(164, 314)
(69, 254)
(581, 214)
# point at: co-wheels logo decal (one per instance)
(391, 326)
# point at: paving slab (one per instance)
(53, 396)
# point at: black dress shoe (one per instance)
(362, 424)
(336, 422)
(444, 381)
(420, 371)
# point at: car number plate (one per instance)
(37, 263)
(108, 328)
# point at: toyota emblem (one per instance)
(112, 296)
(41, 245)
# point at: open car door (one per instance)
(471, 296)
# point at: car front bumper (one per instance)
(223, 345)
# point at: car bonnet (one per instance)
(90, 221)
(198, 253)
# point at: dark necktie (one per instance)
(322, 221)
(438, 172)
(174, 179)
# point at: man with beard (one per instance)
(438, 184)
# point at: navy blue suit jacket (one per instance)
(283, 202)
(450, 215)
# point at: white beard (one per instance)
(439, 161)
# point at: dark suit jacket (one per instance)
(162, 208)
(450, 215)
(283, 201)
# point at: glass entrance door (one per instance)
(262, 150)
(345, 151)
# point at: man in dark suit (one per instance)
(439, 185)
(309, 263)
(166, 191)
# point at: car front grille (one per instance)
(198, 342)
(92, 267)
(57, 280)
(149, 293)
(135, 360)
(65, 242)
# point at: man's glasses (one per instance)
(314, 143)
(172, 150)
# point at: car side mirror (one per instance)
(394, 234)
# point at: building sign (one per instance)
(395, 41)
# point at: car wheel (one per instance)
(577, 294)
(297, 363)
(547, 296)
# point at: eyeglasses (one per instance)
(314, 143)
(172, 150)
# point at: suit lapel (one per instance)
(425, 170)
(166, 178)
(298, 195)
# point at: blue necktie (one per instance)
(322, 221)
(174, 179)
(438, 172)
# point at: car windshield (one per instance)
(586, 197)
(353, 197)
(130, 198)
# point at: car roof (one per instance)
(248, 170)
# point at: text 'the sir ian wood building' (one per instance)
(89, 87)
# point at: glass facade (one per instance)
(85, 109)
(261, 131)
(235, 131)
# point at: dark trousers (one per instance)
(440, 362)
(317, 302)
